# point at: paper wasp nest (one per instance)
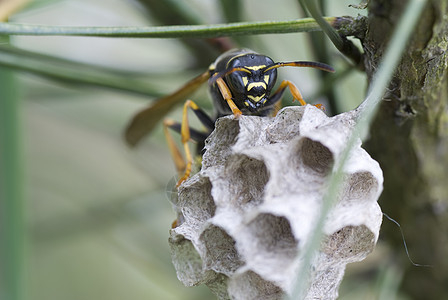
(245, 217)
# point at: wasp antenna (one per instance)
(404, 243)
(227, 72)
(305, 64)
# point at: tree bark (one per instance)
(410, 140)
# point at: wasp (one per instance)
(240, 81)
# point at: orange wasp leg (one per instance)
(179, 161)
(227, 95)
(183, 166)
(294, 91)
(145, 121)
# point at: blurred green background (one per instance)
(97, 214)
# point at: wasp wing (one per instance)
(145, 121)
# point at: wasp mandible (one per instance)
(240, 82)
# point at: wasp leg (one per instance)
(277, 107)
(227, 95)
(179, 161)
(183, 166)
(294, 91)
(145, 121)
(195, 135)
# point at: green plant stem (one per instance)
(175, 12)
(321, 53)
(12, 221)
(345, 46)
(176, 31)
(67, 71)
(320, 50)
(366, 112)
(314, 11)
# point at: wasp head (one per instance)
(250, 82)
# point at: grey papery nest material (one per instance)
(245, 217)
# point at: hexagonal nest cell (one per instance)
(272, 236)
(240, 168)
(247, 214)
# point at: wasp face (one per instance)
(251, 86)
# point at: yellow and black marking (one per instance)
(240, 82)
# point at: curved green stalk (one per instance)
(321, 53)
(345, 46)
(175, 31)
(367, 111)
(67, 71)
(12, 219)
(314, 11)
